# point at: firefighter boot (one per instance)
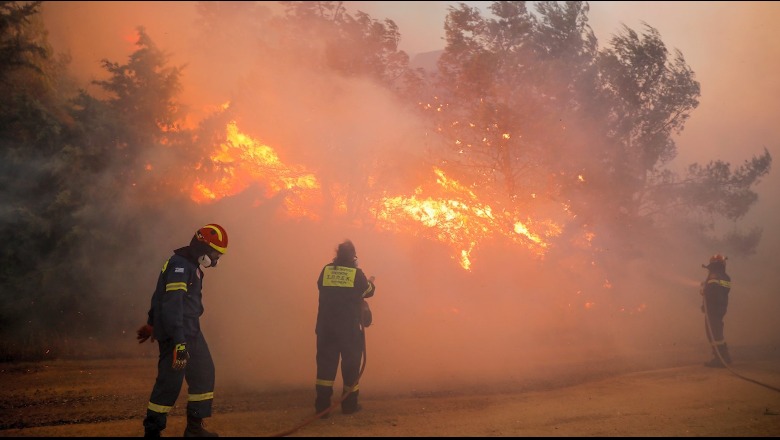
(195, 428)
(724, 353)
(715, 362)
(350, 404)
(154, 424)
(320, 405)
(322, 401)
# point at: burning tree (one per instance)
(534, 110)
(550, 139)
(534, 137)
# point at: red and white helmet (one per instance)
(214, 236)
(717, 263)
(718, 258)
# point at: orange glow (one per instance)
(459, 220)
(244, 161)
(130, 37)
(446, 211)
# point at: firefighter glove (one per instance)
(180, 356)
(144, 333)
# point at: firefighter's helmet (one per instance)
(718, 258)
(214, 236)
(717, 262)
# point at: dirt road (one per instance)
(108, 398)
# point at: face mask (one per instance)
(205, 261)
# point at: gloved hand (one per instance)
(180, 356)
(144, 333)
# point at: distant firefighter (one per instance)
(341, 319)
(174, 321)
(715, 301)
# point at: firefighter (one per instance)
(715, 300)
(174, 321)
(342, 289)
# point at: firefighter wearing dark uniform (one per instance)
(715, 302)
(174, 321)
(342, 288)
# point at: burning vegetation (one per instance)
(526, 135)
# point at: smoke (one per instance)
(512, 317)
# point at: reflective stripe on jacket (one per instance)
(177, 302)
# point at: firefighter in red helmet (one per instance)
(342, 288)
(715, 301)
(174, 321)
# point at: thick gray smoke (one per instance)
(511, 317)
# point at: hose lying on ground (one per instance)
(335, 404)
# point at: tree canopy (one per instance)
(533, 105)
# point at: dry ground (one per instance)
(95, 398)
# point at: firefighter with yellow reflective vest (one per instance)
(715, 301)
(174, 321)
(342, 288)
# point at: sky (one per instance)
(504, 319)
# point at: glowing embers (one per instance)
(242, 161)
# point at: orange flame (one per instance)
(244, 161)
(457, 219)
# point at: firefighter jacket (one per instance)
(177, 300)
(715, 294)
(717, 285)
(342, 290)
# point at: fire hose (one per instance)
(717, 352)
(347, 392)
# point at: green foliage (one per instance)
(710, 194)
(529, 105)
(77, 184)
(648, 98)
(32, 124)
(17, 50)
(143, 97)
(128, 148)
(721, 191)
(508, 87)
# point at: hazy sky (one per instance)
(732, 47)
(429, 313)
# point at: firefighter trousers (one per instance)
(332, 346)
(199, 374)
(717, 305)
